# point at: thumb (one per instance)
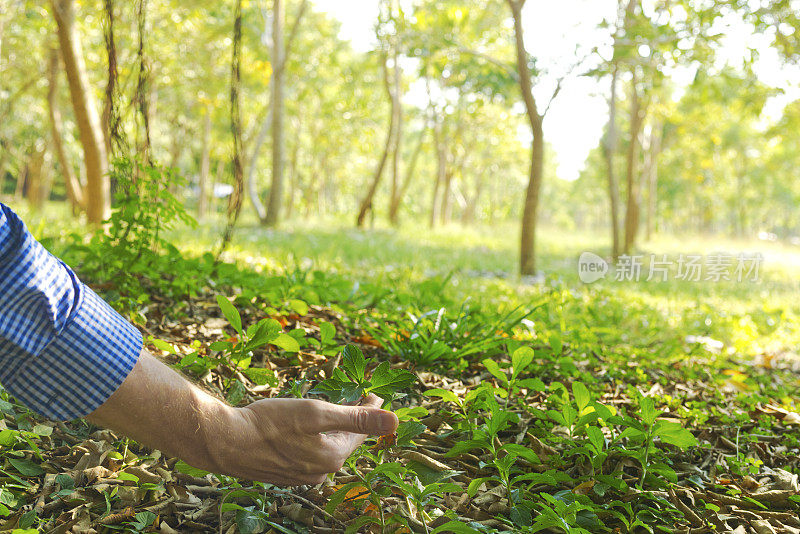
(357, 419)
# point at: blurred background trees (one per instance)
(443, 121)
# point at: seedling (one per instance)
(647, 430)
(521, 359)
(349, 382)
(236, 352)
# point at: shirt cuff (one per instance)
(82, 366)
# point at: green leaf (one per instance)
(352, 392)
(221, 346)
(472, 489)
(674, 434)
(386, 381)
(7, 498)
(556, 343)
(250, 522)
(445, 394)
(286, 342)
(261, 376)
(353, 363)
(42, 430)
(130, 477)
(230, 507)
(596, 438)
(493, 367)
(326, 333)
(230, 312)
(298, 306)
(236, 393)
(27, 520)
(408, 413)
(183, 467)
(65, 481)
(162, 345)
(647, 411)
(408, 431)
(8, 437)
(534, 384)
(520, 360)
(521, 451)
(456, 527)
(582, 396)
(521, 516)
(145, 518)
(632, 433)
(332, 387)
(26, 467)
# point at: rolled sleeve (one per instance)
(63, 350)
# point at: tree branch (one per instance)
(508, 69)
(293, 33)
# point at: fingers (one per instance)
(366, 419)
(372, 401)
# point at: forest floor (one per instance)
(537, 405)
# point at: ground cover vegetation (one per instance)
(557, 406)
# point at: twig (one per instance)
(303, 500)
(693, 518)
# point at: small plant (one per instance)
(521, 359)
(649, 428)
(236, 352)
(349, 382)
(436, 337)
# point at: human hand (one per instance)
(297, 441)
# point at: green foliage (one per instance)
(236, 353)
(349, 382)
(436, 336)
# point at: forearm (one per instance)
(157, 407)
(282, 441)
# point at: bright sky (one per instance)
(576, 120)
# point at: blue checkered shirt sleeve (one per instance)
(63, 350)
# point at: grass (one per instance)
(479, 263)
(483, 263)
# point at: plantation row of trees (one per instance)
(445, 120)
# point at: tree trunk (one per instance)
(397, 110)
(527, 262)
(441, 169)
(3, 159)
(632, 179)
(394, 207)
(468, 217)
(252, 188)
(366, 203)
(293, 163)
(205, 169)
(98, 191)
(235, 200)
(652, 182)
(111, 90)
(34, 190)
(276, 191)
(447, 190)
(609, 150)
(22, 178)
(72, 186)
